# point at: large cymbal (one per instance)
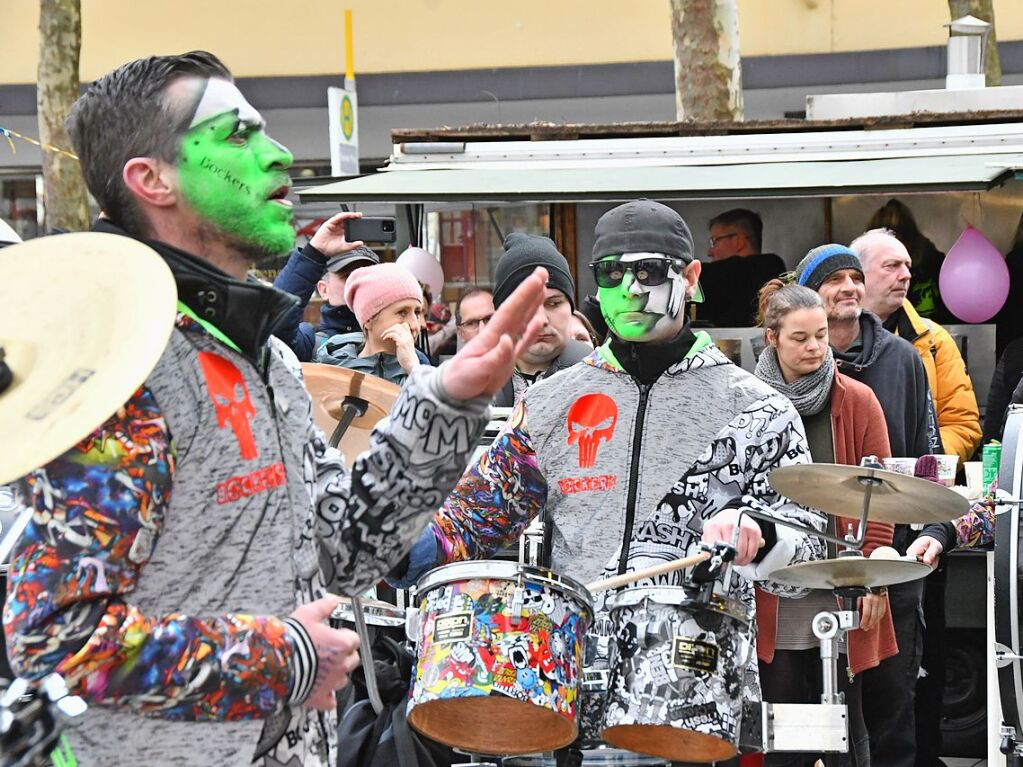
(896, 498)
(84, 318)
(328, 385)
(850, 571)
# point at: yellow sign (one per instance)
(347, 118)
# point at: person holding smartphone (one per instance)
(388, 304)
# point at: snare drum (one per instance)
(676, 692)
(500, 651)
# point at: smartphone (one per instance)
(371, 229)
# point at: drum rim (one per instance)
(502, 570)
(631, 597)
(1007, 573)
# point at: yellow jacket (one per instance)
(951, 387)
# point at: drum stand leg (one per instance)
(825, 628)
(367, 655)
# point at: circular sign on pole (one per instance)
(347, 118)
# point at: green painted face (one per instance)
(639, 313)
(233, 174)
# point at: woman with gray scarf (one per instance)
(844, 423)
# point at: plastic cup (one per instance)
(900, 465)
(947, 465)
(974, 477)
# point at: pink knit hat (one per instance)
(371, 289)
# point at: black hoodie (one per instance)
(891, 367)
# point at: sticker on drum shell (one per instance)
(694, 655)
(452, 627)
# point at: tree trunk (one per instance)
(60, 39)
(985, 11)
(708, 71)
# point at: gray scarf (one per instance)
(810, 393)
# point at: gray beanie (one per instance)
(823, 261)
(522, 254)
(642, 226)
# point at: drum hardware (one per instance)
(1004, 656)
(59, 392)
(801, 727)
(886, 497)
(32, 717)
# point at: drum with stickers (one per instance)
(676, 692)
(500, 651)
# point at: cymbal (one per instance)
(895, 498)
(850, 571)
(328, 385)
(84, 319)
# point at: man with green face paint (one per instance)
(178, 567)
(652, 444)
(233, 174)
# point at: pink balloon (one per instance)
(974, 280)
(425, 267)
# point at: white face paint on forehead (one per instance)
(666, 298)
(222, 96)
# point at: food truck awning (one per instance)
(793, 178)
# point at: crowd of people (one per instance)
(180, 563)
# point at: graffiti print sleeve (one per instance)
(494, 501)
(367, 519)
(99, 510)
(771, 434)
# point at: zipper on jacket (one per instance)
(630, 503)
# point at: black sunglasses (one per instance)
(649, 272)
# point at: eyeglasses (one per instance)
(649, 272)
(473, 324)
(715, 240)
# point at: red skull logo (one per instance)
(591, 420)
(231, 398)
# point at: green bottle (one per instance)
(992, 457)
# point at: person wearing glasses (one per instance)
(472, 313)
(654, 443)
(736, 271)
(553, 350)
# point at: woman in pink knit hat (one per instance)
(388, 303)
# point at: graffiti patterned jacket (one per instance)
(168, 547)
(613, 461)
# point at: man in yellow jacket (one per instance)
(886, 276)
(886, 271)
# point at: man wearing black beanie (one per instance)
(553, 349)
(652, 444)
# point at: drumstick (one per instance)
(648, 572)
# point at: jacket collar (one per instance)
(907, 323)
(872, 340)
(701, 352)
(246, 312)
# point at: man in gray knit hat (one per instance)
(654, 442)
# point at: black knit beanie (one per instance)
(522, 254)
(823, 261)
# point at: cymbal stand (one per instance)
(869, 482)
(351, 408)
(826, 626)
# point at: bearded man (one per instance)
(177, 568)
(650, 445)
